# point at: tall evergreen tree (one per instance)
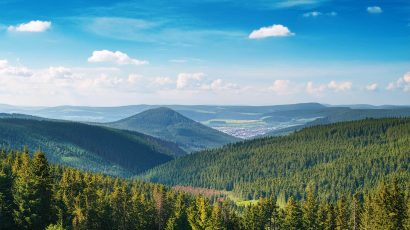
(342, 215)
(355, 212)
(293, 215)
(6, 197)
(43, 187)
(310, 210)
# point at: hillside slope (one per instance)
(88, 147)
(341, 158)
(329, 115)
(169, 125)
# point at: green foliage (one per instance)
(88, 147)
(339, 159)
(53, 197)
(169, 125)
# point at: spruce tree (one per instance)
(310, 210)
(6, 198)
(342, 215)
(43, 187)
(293, 215)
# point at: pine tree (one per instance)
(330, 223)
(322, 216)
(366, 218)
(178, 219)
(356, 210)
(199, 213)
(26, 197)
(342, 215)
(6, 198)
(381, 210)
(396, 206)
(216, 221)
(293, 218)
(161, 206)
(310, 210)
(120, 204)
(42, 186)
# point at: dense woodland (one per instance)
(36, 195)
(88, 147)
(336, 160)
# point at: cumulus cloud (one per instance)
(340, 86)
(186, 80)
(332, 85)
(281, 87)
(32, 26)
(372, 87)
(402, 83)
(117, 57)
(374, 9)
(271, 31)
(219, 84)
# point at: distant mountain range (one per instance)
(169, 125)
(239, 121)
(88, 147)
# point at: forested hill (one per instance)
(169, 125)
(329, 115)
(338, 159)
(88, 147)
(36, 195)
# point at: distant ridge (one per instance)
(88, 147)
(170, 125)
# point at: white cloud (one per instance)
(281, 87)
(374, 9)
(271, 31)
(406, 77)
(32, 26)
(3, 64)
(312, 14)
(162, 81)
(340, 86)
(372, 87)
(332, 85)
(117, 57)
(402, 83)
(7, 69)
(59, 72)
(315, 90)
(185, 80)
(295, 3)
(219, 84)
(318, 13)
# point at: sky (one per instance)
(230, 52)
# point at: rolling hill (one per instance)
(329, 115)
(88, 147)
(337, 159)
(169, 125)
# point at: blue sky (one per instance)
(204, 52)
